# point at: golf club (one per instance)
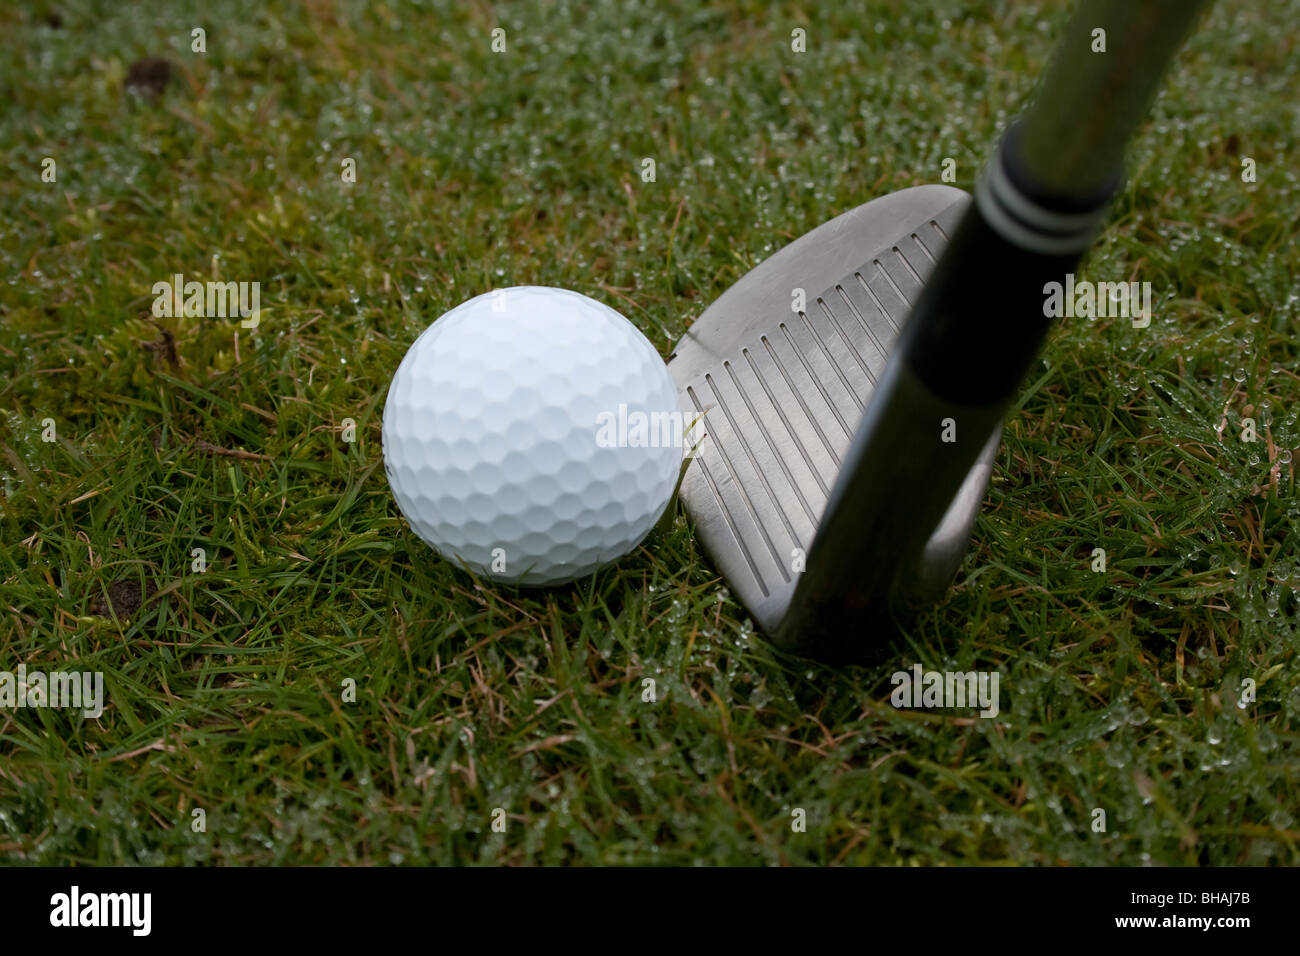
(850, 439)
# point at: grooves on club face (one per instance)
(781, 392)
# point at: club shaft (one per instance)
(1090, 100)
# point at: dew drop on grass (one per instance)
(1272, 602)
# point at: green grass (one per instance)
(475, 171)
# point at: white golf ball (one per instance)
(524, 435)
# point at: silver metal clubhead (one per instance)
(781, 390)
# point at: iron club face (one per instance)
(781, 368)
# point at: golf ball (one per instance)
(523, 435)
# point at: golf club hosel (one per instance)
(982, 317)
(1025, 212)
(879, 517)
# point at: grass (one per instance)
(1120, 690)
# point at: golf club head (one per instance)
(780, 369)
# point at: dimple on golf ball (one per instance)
(507, 440)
